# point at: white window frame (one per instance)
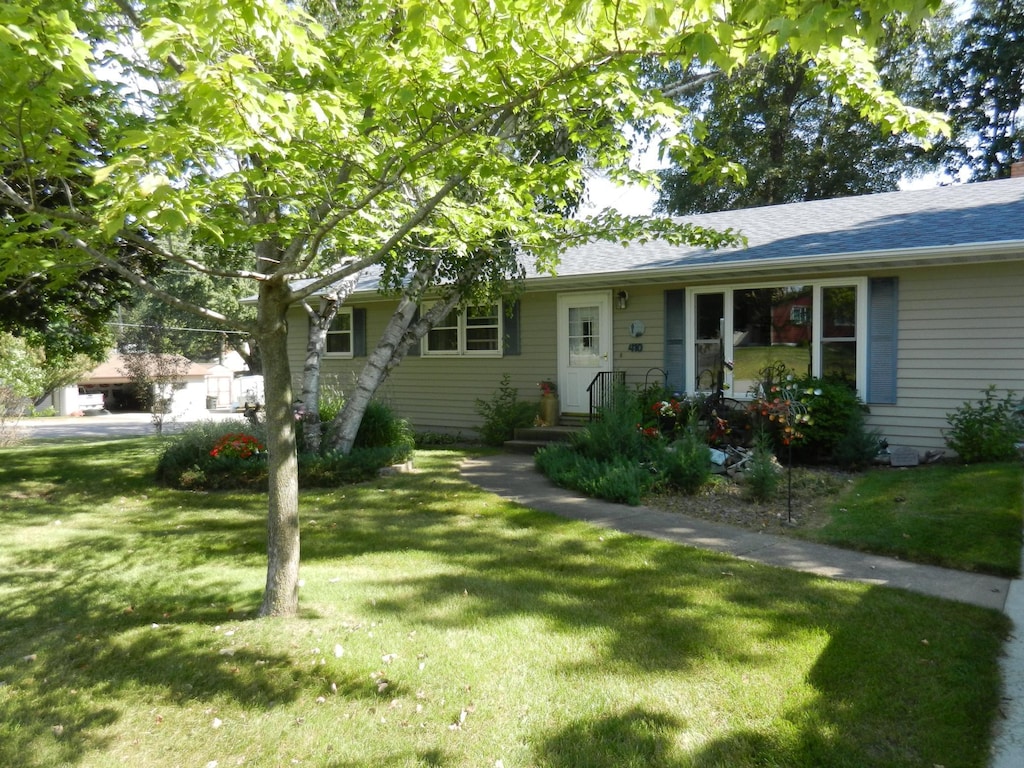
(343, 311)
(461, 349)
(861, 326)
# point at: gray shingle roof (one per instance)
(888, 223)
(867, 228)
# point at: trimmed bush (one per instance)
(858, 446)
(809, 415)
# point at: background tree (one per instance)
(322, 150)
(197, 337)
(983, 86)
(794, 139)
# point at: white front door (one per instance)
(584, 346)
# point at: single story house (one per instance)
(917, 297)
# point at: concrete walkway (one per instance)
(513, 476)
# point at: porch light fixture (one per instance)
(623, 298)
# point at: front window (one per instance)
(471, 331)
(482, 328)
(584, 340)
(444, 337)
(810, 328)
(764, 332)
(339, 335)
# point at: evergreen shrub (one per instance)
(763, 474)
(687, 463)
(620, 480)
(833, 406)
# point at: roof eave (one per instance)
(976, 253)
(888, 258)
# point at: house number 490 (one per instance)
(636, 347)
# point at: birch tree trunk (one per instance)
(394, 343)
(281, 596)
(388, 353)
(316, 345)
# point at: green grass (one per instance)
(443, 626)
(964, 517)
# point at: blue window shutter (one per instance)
(359, 332)
(883, 302)
(675, 340)
(511, 344)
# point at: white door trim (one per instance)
(575, 370)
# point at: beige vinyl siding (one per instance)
(646, 304)
(960, 329)
(439, 393)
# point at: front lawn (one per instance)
(443, 626)
(966, 517)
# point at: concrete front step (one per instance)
(545, 434)
(531, 439)
(525, 446)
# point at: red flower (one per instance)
(238, 445)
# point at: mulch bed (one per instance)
(726, 500)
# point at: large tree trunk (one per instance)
(281, 597)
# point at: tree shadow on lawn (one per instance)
(642, 606)
(869, 706)
(38, 481)
(664, 609)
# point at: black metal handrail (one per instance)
(602, 389)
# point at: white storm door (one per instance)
(584, 346)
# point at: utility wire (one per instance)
(175, 328)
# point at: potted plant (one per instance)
(548, 403)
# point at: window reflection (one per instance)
(708, 351)
(771, 325)
(751, 329)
